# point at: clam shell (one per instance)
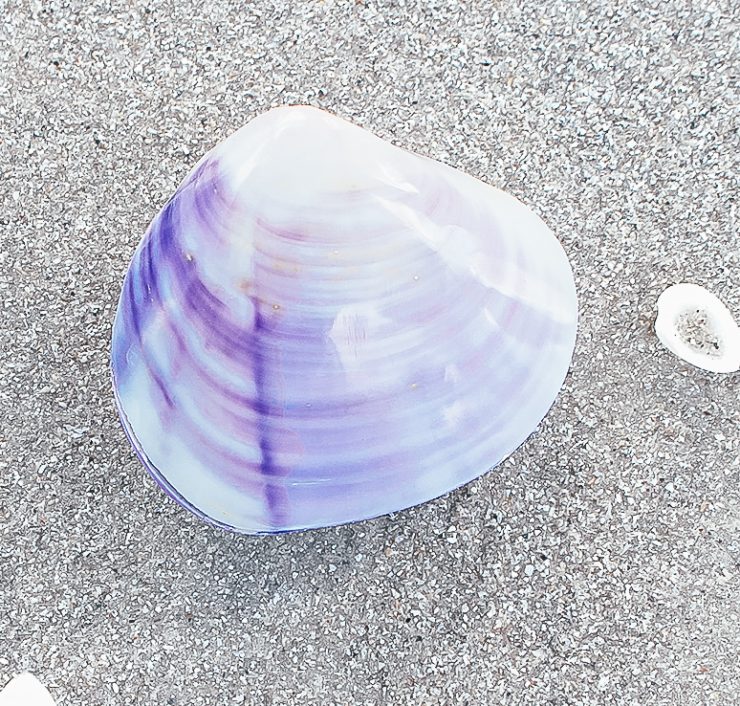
(320, 327)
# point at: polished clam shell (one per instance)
(320, 327)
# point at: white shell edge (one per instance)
(683, 297)
(25, 690)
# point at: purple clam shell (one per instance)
(320, 327)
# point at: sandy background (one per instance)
(600, 564)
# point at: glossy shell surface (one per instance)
(320, 327)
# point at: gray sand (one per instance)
(695, 329)
(599, 565)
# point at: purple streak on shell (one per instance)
(274, 494)
(320, 328)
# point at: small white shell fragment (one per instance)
(696, 326)
(25, 690)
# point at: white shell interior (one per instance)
(696, 326)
